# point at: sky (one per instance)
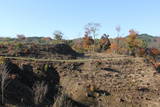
(43, 17)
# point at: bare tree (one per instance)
(118, 29)
(40, 89)
(91, 29)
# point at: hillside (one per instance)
(108, 79)
(146, 37)
(152, 41)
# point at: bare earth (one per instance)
(109, 80)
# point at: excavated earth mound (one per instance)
(57, 51)
(63, 51)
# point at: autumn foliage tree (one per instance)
(46, 39)
(153, 53)
(133, 42)
(91, 30)
(87, 41)
(120, 47)
(113, 48)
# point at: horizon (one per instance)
(40, 18)
(15, 37)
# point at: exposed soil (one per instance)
(108, 80)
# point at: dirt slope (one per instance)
(107, 80)
(117, 82)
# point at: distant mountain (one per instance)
(146, 37)
(152, 41)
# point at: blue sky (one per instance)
(43, 17)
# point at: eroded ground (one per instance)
(106, 80)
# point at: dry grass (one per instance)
(62, 101)
(40, 90)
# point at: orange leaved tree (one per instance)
(133, 42)
(87, 41)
